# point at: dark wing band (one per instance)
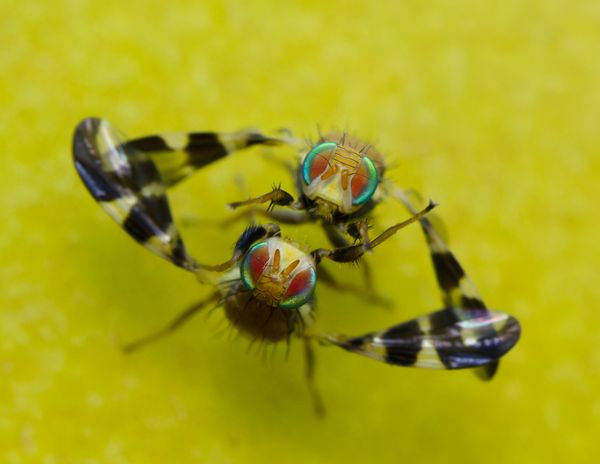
(128, 186)
(438, 341)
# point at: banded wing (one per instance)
(440, 340)
(128, 186)
(462, 302)
(178, 155)
(129, 178)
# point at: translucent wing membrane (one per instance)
(457, 289)
(128, 186)
(460, 297)
(129, 178)
(440, 340)
(177, 156)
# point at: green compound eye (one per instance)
(317, 161)
(364, 182)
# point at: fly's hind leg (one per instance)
(309, 374)
(175, 324)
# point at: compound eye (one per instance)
(254, 264)
(300, 289)
(364, 182)
(317, 161)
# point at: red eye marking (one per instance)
(300, 283)
(258, 261)
(360, 180)
(364, 182)
(318, 166)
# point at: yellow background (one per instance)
(490, 108)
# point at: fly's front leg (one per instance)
(359, 230)
(354, 252)
(250, 235)
(276, 197)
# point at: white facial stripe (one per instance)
(331, 190)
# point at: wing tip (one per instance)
(488, 371)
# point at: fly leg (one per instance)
(250, 235)
(337, 238)
(354, 252)
(175, 324)
(359, 230)
(276, 197)
(309, 374)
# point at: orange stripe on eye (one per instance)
(332, 170)
(345, 180)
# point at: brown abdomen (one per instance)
(257, 320)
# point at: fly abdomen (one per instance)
(258, 320)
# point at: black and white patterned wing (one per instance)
(178, 155)
(129, 177)
(440, 340)
(128, 186)
(460, 296)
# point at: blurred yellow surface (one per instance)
(490, 108)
